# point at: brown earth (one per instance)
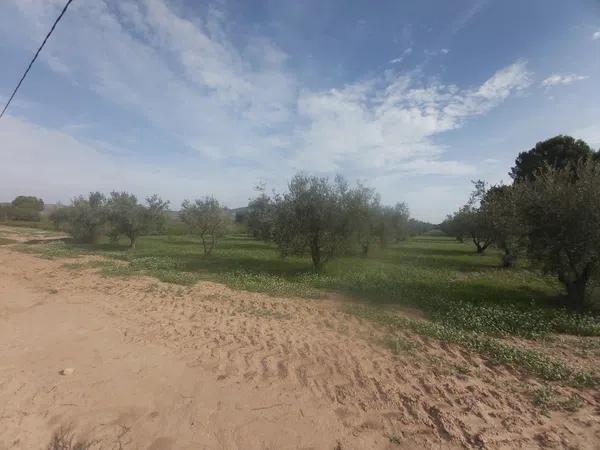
(157, 366)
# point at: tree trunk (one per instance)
(315, 253)
(509, 261)
(205, 245)
(132, 241)
(365, 250)
(478, 246)
(576, 290)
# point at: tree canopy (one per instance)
(557, 152)
(206, 218)
(562, 219)
(313, 216)
(132, 219)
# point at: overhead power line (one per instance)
(62, 13)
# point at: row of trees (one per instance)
(120, 214)
(551, 213)
(323, 219)
(22, 207)
(315, 216)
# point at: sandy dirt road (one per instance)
(157, 366)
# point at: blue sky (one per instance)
(187, 98)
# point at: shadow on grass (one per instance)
(413, 273)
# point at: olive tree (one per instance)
(260, 218)
(207, 219)
(499, 211)
(470, 220)
(401, 223)
(87, 217)
(59, 217)
(363, 207)
(562, 218)
(132, 219)
(313, 217)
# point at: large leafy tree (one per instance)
(132, 219)
(28, 202)
(25, 207)
(207, 219)
(561, 213)
(313, 217)
(87, 217)
(557, 152)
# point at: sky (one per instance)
(192, 98)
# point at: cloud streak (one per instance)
(562, 80)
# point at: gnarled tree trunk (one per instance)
(315, 253)
(576, 290)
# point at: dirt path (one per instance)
(158, 366)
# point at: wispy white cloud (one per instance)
(564, 79)
(387, 121)
(596, 35)
(401, 58)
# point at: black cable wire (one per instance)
(64, 10)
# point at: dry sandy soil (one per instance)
(157, 366)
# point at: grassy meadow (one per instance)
(468, 299)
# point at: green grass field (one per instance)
(468, 298)
(443, 278)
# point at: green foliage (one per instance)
(59, 217)
(471, 221)
(362, 206)
(546, 399)
(418, 227)
(528, 361)
(87, 217)
(561, 212)
(557, 152)
(301, 286)
(22, 208)
(28, 202)
(326, 219)
(206, 219)
(260, 218)
(126, 216)
(503, 222)
(313, 216)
